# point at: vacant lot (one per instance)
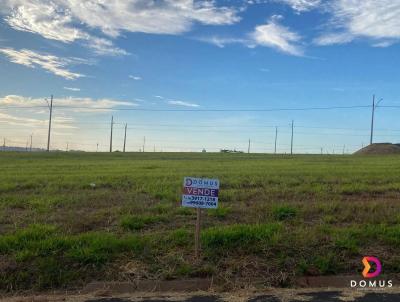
(66, 219)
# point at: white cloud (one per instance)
(51, 63)
(85, 104)
(271, 35)
(181, 103)
(371, 19)
(136, 78)
(105, 47)
(221, 42)
(58, 19)
(302, 5)
(334, 38)
(277, 36)
(383, 44)
(72, 88)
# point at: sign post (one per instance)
(197, 234)
(199, 193)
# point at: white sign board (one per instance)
(200, 193)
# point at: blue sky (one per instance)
(199, 55)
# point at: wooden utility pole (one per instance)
(67, 147)
(97, 147)
(111, 135)
(51, 113)
(248, 148)
(126, 126)
(276, 138)
(291, 143)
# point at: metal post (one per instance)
(291, 143)
(126, 126)
(372, 119)
(111, 135)
(51, 113)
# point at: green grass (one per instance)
(278, 216)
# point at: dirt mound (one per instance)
(382, 148)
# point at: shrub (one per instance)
(284, 212)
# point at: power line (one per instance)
(194, 110)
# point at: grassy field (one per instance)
(66, 219)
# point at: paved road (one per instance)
(330, 296)
(277, 295)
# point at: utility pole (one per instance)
(276, 138)
(126, 126)
(112, 124)
(30, 147)
(51, 113)
(344, 147)
(374, 106)
(67, 147)
(97, 147)
(322, 151)
(144, 142)
(372, 120)
(291, 143)
(4, 144)
(248, 148)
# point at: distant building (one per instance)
(230, 151)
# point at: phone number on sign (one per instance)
(202, 203)
(200, 200)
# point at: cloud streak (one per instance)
(272, 34)
(184, 104)
(277, 36)
(83, 104)
(50, 63)
(72, 89)
(302, 5)
(369, 19)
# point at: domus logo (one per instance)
(367, 267)
(372, 269)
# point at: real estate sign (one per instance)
(200, 193)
